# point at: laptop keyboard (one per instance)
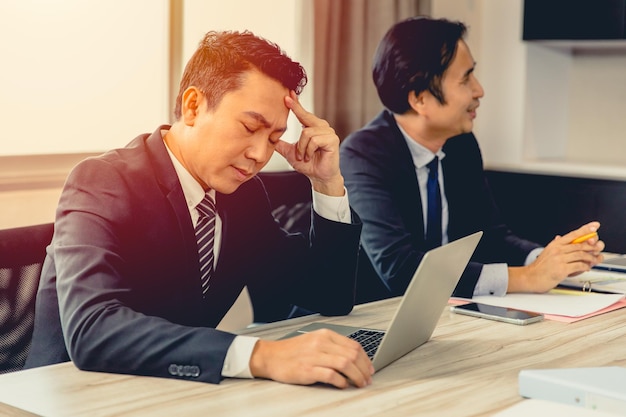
(369, 339)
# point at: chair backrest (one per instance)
(22, 252)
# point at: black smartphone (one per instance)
(507, 315)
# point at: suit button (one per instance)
(174, 370)
(185, 371)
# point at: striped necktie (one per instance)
(433, 213)
(205, 235)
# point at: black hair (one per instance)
(412, 56)
(222, 58)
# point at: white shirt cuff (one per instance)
(237, 362)
(493, 280)
(332, 208)
(533, 255)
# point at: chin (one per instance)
(230, 187)
(468, 128)
(228, 190)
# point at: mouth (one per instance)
(243, 174)
(472, 111)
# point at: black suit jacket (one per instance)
(382, 184)
(120, 285)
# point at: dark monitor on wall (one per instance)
(574, 19)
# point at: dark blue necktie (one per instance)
(433, 212)
(205, 235)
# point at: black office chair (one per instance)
(22, 252)
(290, 196)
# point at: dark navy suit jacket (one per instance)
(120, 287)
(382, 184)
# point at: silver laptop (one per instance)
(420, 308)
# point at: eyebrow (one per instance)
(259, 118)
(469, 71)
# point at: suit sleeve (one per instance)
(472, 206)
(102, 332)
(315, 271)
(375, 193)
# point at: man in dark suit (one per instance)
(424, 73)
(122, 289)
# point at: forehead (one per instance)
(462, 62)
(259, 97)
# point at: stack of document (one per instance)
(602, 388)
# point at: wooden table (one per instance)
(469, 368)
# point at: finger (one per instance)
(310, 144)
(329, 376)
(284, 148)
(357, 367)
(302, 145)
(305, 117)
(599, 247)
(342, 370)
(580, 257)
(358, 376)
(583, 233)
(577, 268)
(593, 245)
(344, 355)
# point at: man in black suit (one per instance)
(121, 289)
(424, 73)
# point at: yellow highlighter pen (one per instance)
(585, 237)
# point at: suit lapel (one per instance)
(173, 192)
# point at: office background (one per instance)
(81, 77)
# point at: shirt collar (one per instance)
(420, 154)
(192, 190)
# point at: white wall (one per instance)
(81, 76)
(597, 131)
(545, 109)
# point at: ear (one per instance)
(417, 101)
(191, 100)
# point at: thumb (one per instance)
(286, 149)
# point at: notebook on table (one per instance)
(420, 308)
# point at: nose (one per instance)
(478, 89)
(259, 150)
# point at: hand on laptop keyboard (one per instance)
(320, 356)
(369, 339)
